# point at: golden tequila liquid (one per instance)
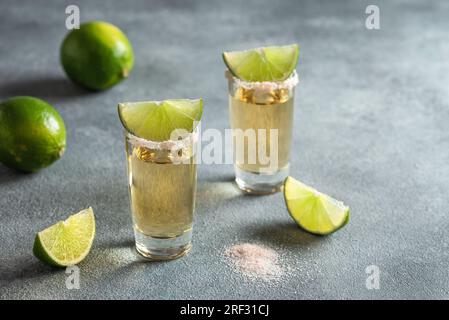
(273, 111)
(261, 159)
(162, 198)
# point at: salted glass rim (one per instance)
(189, 139)
(288, 83)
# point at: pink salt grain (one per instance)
(255, 261)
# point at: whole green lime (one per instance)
(97, 55)
(32, 134)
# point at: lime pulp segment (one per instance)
(274, 63)
(315, 212)
(157, 120)
(66, 242)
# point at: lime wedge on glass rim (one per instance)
(314, 211)
(67, 242)
(263, 64)
(157, 120)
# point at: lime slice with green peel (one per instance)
(263, 64)
(157, 120)
(314, 211)
(67, 242)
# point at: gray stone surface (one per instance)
(371, 128)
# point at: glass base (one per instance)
(260, 183)
(152, 248)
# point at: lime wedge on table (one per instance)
(314, 211)
(156, 120)
(67, 242)
(263, 64)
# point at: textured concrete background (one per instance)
(371, 129)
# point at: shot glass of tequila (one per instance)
(261, 117)
(161, 139)
(162, 188)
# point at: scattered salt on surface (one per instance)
(255, 261)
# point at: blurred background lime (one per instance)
(32, 134)
(97, 56)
